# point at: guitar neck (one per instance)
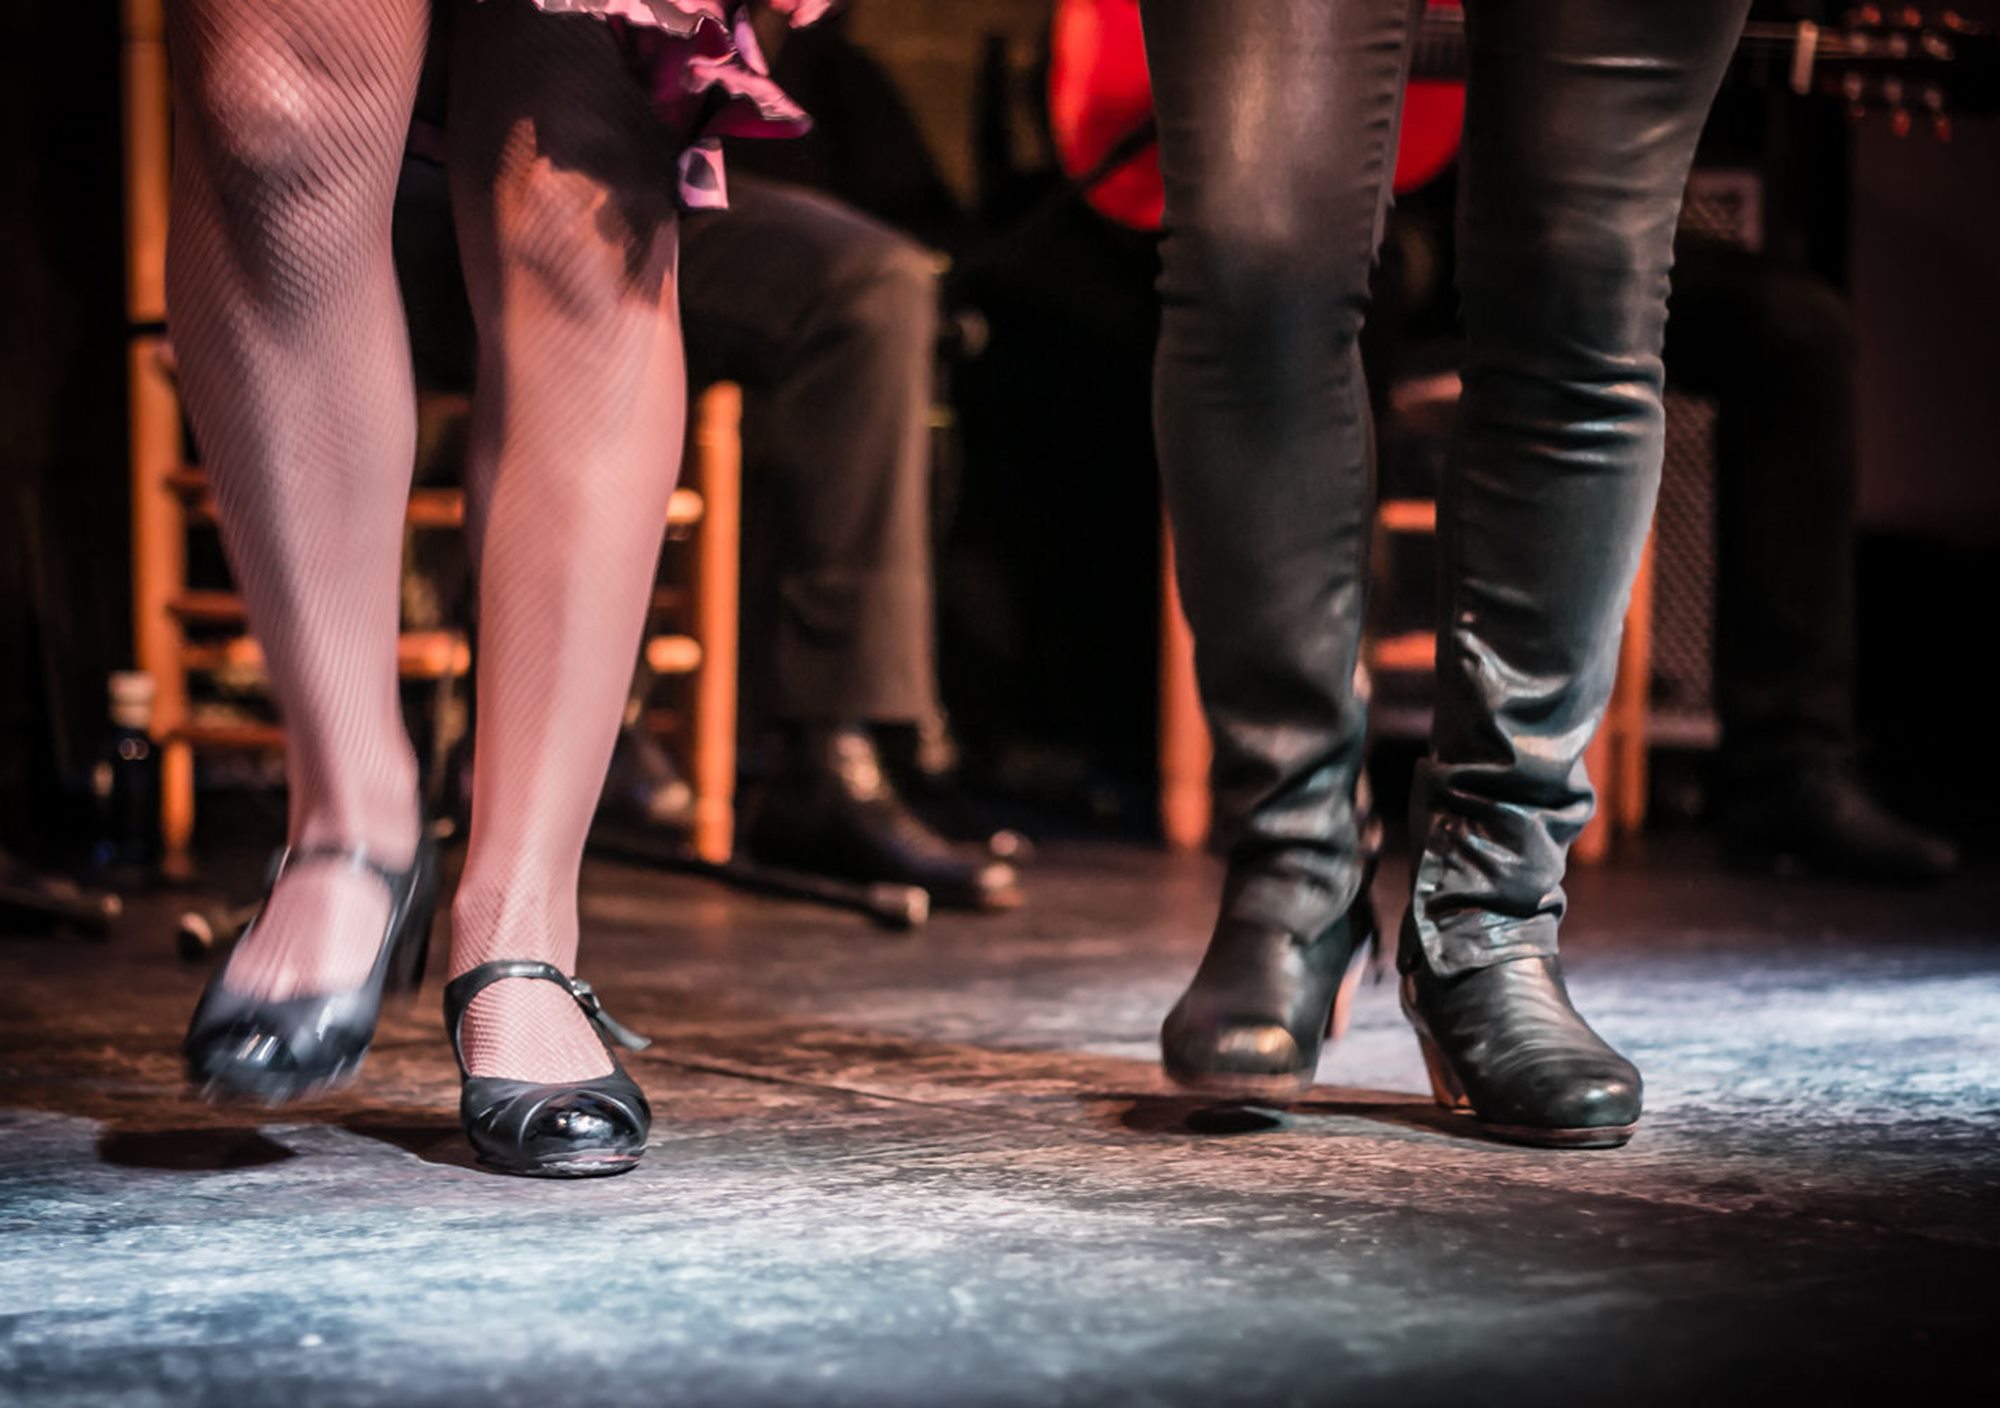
(1766, 52)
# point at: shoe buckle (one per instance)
(593, 1008)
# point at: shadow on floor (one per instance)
(434, 1139)
(1210, 1117)
(216, 1150)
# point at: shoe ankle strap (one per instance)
(460, 991)
(356, 857)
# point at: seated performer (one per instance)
(829, 320)
(1775, 347)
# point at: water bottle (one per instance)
(125, 780)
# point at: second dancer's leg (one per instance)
(1277, 141)
(289, 119)
(563, 183)
(1580, 128)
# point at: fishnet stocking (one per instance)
(296, 373)
(563, 181)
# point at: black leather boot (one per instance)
(1504, 1045)
(1826, 822)
(830, 809)
(1262, 1004)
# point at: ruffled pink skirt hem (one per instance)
(707, 78)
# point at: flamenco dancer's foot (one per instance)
(541, 1095)
(292, 1013)
(1504, 1045)
(1264, 1001)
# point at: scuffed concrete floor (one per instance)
(942, 1170)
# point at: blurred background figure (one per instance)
(1773, 344)
(830, 321)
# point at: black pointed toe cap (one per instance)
(571, 1130)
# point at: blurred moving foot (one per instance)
(1826, 822)
(831, 809)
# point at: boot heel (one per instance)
(1343, 998)
(1367, 929)
(1445, 1086)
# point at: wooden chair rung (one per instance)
(1414, 652)
(247, 736)
(420, 655)
(673, 655)
(431, 509)
(1407, 516)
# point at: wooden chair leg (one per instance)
(1186, 802)
(718, 471)
(1629, 701)
(1595, 843)
(159, 541)
(1617, 755)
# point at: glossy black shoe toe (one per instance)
(562, 1129)
(587, 1130)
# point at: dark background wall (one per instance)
(63, 505)
(1926, 254)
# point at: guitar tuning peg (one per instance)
(1899, 122)
(1953, 21)
(1910, 17)
(1864, 16)
(1941, 126)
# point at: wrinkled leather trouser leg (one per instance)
(1277, 143)
(1581, 124)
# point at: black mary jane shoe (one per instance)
(273, 1051)
(1504, 1045)
(1262, 1004)
(568, 1129)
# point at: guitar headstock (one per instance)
(1918, 66)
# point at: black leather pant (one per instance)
(1278, 123)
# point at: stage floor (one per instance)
(942, 1169)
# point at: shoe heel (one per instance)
(1343, 998)
(413, 937)
(1445, 1086)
